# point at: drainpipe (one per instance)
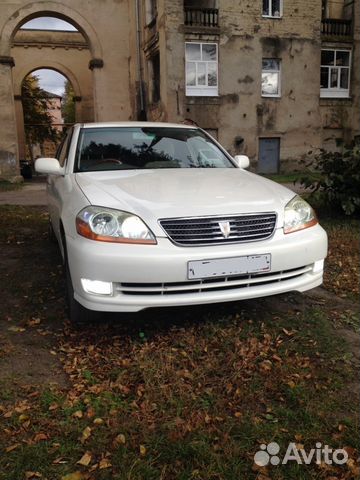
(142, 113)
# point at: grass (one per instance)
(9, 186)
(174, 394)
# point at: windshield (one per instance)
(126, 148)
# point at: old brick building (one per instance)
(272, 79)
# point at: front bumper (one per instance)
(146, 276)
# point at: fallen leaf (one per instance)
(104, 463)
(78, 414)
(85, 434)
(40, 436)
(12, 447)
(73, 476)
(98, 421)
(30, 475)
(85, 459)
(16, 329)
(142, 450)
(120, 439)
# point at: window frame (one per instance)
(202, 90)
(279, 72)
(332, 92)
(270, 9)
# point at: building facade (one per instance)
(273, 79)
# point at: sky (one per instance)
(49, 80)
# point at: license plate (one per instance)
(224, 267)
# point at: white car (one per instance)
(145, 219)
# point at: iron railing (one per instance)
(335, 27)
(201, 17)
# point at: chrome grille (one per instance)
(207, 231)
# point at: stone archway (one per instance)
(108, 31)
(64, 52)
(80, 109)
(53, 9)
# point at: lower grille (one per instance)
(214, 230)
(211, 284)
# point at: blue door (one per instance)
(269, 155)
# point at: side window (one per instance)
(63, 150)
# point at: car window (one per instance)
(125, 148)
(63, 150)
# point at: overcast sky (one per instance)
(49, 80)
(48, 23)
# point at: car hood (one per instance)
(170, 193)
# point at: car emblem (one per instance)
(225, 229)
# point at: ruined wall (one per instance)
(299, 118)
(106, 27)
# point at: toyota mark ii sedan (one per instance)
(155, 214)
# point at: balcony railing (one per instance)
(337, 28)
(201, 17)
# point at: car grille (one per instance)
(211, 284)
(207, 231)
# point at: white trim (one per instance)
(272, 95)
(336, 92)
(277, 17)
(193, 91)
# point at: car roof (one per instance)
(136, 124)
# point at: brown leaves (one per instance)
(85, 434)
(85, 459)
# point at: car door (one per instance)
(57, 184)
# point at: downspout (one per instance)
(142, 113)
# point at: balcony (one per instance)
(201, 17)
(331, 27)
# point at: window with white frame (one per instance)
(272, 8)
(270, 77)
(335, 73)
(201, 69)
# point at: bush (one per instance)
(339, 181)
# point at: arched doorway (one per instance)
(107, 33)
(48, 44)
(48, 109)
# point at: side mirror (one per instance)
(242, 161)
(49, 166)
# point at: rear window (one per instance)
(126, 148)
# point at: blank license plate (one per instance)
(224, 267)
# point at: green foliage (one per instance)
(37, 119)
(339, 184)
(68, 104)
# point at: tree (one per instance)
(68, 104)
(37, 119)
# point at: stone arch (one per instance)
(53, 9)
(51, 65)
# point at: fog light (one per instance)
(318, 266)
(96, 287)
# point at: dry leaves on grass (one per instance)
(342, 264)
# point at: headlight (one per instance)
(108, 225)
(298, 215)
